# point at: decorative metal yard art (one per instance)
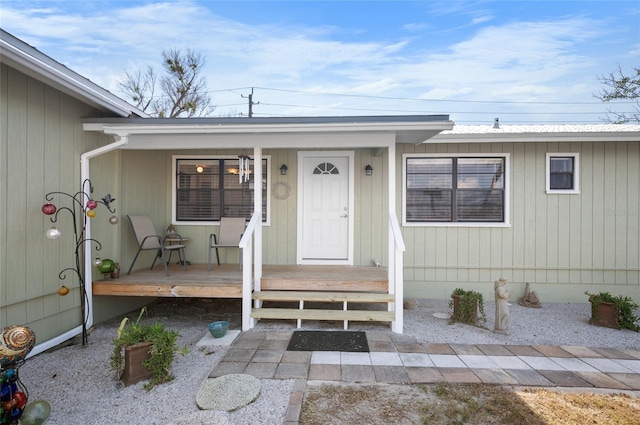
(82, 207)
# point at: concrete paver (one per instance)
(495, 376)
(573, 364)
(524, 350)
(565, 378)
(633, 365)
(475, 361)
(400, 359)
(443, 360)
(391, 374)
(325, 372)
(607, 365)
(601, 380)
(385, 359)
(541, 363)
(509, 362)
(358, 373)
(362, 359)
(416, 360)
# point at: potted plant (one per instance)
(144, 351)
(466, 305)
(613, 311)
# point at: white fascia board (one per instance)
(394, 127)
(60, 77)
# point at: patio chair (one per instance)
(147, 239)
(229, 235)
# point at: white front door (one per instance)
(325, 204)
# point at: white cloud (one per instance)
(548, 60)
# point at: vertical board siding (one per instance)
(4, 191)
(279, 239)
(633, 210)
(41, 141)
(562, 244)
(145, 189)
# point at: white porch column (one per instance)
(395, 272)
(257, 207)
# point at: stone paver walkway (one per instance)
(399, 359)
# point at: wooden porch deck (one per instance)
(225, 281)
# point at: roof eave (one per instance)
(406, 132)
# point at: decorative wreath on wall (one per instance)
(281, 190)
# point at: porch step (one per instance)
(305, 313)
(317, 314)
(321, 296)
(325, 278)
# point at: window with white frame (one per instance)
(208, 188)
(563, 173)
(455, 188)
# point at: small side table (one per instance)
(174, 240)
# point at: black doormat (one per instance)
(349, 341)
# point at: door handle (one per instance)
(345, 216)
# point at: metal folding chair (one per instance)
(148, 239)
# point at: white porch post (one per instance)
(257, 207)
(248, 321)
(396, 271)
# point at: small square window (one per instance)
(563, 173)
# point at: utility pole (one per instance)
(251, 103)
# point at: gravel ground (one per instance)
(81, 388)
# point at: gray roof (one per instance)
(544, 128)
(540, 133)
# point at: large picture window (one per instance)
(455, 189)
(207, 189)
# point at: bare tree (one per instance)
(182, 90)
(619, 86)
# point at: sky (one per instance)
(524, 62)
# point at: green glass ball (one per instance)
(107, 266)
(36, 413)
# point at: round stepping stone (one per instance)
(228, 392)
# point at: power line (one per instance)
(431, 112)
(436, 100)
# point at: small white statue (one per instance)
(502, 307)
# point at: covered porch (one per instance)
(288, 292)
(283, 228)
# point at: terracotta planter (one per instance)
(604, 314)
(134, 356)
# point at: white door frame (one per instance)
(351, 219)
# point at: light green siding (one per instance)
(563, 244)
(41, 140)
(145, 188)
